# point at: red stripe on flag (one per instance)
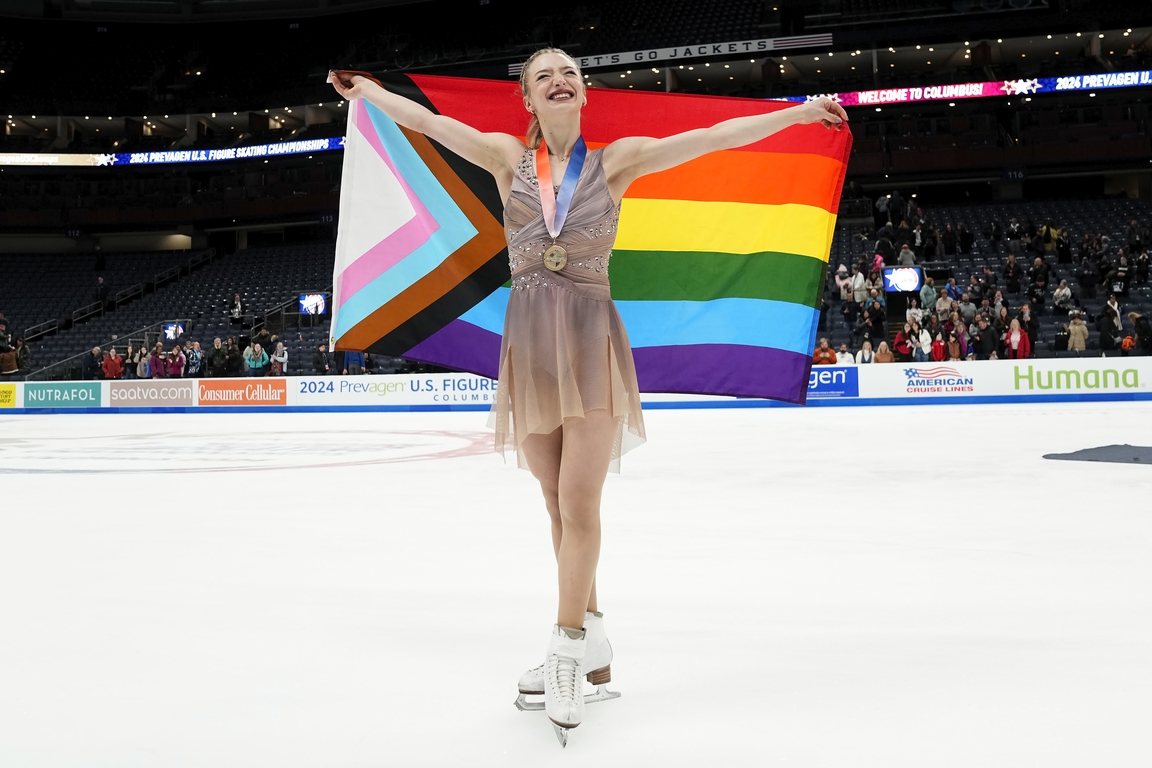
(611, 114)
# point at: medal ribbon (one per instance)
(555, 209)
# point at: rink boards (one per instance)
(1066, 379)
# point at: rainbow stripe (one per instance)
(719, 264)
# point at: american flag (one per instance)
(934, 372)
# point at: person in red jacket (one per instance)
(939, 349)
(902, 344)
(824, 354)
(113, 365)
(1016, 343)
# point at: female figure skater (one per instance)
(566, 371)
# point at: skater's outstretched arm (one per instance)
(626, 160)
(497, 153)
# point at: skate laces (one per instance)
(565, 675)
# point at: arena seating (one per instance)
(37, 288)
(1095, 217)
(270, 277)
(264, 277)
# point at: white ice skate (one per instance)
(563, 688)
(597, 659)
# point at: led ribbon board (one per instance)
(1023, 87)
(879, 97)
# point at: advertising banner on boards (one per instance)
(151, 393)
(834, 381)
(1008, 378)
(62, 394)
(996, 381)
(254, 391)
(398, 390)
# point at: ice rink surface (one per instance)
(783, 587)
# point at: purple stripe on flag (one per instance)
(724, 369)
(716, 369)
(462, 346)
(389, 251)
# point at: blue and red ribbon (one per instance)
(555, 208)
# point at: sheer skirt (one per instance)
(565, 352)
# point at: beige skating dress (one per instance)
(564, 351)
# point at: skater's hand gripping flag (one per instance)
(718, 268)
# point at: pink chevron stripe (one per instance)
(389, 251)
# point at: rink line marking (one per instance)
(830, 402)
(397, 451)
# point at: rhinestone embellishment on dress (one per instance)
(579, 241)
(527, 169)
(592, 263)
(532, 280)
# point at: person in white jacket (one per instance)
(1062, 297)
(843, 283)
(844, 357)
(280, 360)
(921, 341)
(859, 286)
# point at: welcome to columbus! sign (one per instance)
(986, 89)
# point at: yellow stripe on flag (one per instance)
(693, 225)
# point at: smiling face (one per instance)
(552, 86)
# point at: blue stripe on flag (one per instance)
(455, 228)
(749, 322)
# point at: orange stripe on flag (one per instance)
(768, 178)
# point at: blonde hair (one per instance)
(534, 134)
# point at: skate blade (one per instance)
(561, 735)
(600, 694)
(524, 705)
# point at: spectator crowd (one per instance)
(995, 314)
(264, 356)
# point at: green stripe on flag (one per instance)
(697, 276)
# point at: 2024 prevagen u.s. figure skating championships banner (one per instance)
(717, 270)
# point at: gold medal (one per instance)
(555, 257)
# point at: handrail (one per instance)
(166, 276)
(282, 310)
(43, 329)
(128, 293)
(201, 258)
(150, 334)
(292, 302)
(121, 297)
(87, 311)
(855, 208)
